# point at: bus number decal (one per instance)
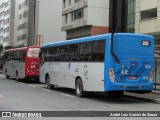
(76, 70)
(147, 66)
(146, 43)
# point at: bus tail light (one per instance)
(151, 76)
(112, 75)
(28, 69)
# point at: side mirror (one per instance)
(40, 54)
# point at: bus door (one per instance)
(136, 59)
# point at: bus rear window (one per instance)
(33, 52)
(133, 46)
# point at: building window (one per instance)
(66, 18)
(26, 2)
(69, 2)
(20, 16)
(78, 14)
(130, 20)
(6, 21)
(7, 12)
(72, 17)
(7, 4)
(25, 14)
(22, 37)
(6, 39)
(64, 3)
(19, 7)
(22, 26)
(147, 14)
(76, 0)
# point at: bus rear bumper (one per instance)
(32, 76)
(138, 88)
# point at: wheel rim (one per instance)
(79, 88)
(17, 77)
(48, 82)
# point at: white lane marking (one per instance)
(66, 95)
(1, 95)
(46, 89)
(32, 85)
(157, 100)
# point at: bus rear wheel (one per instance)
(17, 77)
(79, 88)
(48, 81)
(7, 77)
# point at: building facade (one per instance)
(82, 18)
(24, 23)
(148, 18)
(147, 21)
(28, 22)
(122, 16)
(2, 2)
(7, 21)
(49, 21)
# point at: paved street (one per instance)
(30, 96)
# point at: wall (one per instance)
(50, 21)
(149, 26)
(98, 12)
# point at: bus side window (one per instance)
(74, 52)
(64, 53)
(98, 51)
(85, 51)
(46, 57)
(43, 57)
(22, 56)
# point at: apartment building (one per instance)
(30, 22)
(24, 31)
(7, 13)
(50, 21)
(82, 18)
(148, 18)
(147, 21)
(122, 16)
(1, 23)
(38, 25)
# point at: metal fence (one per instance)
(157, 74)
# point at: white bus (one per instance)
(111, 63)
(22, 63)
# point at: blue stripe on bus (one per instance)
(88, 39)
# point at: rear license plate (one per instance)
(132, 77)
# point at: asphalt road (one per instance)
(30, 96)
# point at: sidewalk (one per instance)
(153, 96)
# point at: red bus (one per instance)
(22, 63)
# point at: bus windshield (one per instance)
(33, 52)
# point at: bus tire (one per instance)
(79, 88)
(17, 77)
(48, 81)
(115, 94)
(37, 80)
(7, 77)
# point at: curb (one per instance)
(156, 91)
